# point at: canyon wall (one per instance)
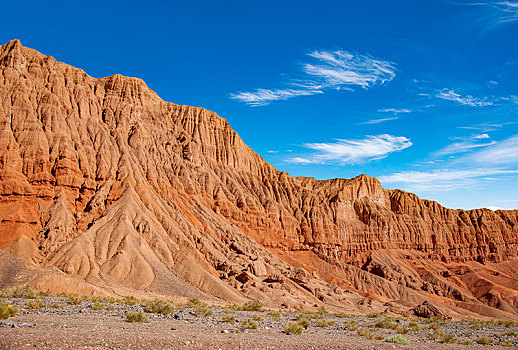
(107, 184)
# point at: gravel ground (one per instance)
(61, 325)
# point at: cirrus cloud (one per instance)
(343, 151)
(262, 97)
(328, 70)
(467, 100)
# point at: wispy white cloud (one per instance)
(486, 127)
(503, 153)
(262, 97)
(461, 147)
(338, 70)
(465, 144)
(480, 136)
(494, 12)
(487, 164)
(395, 110)
(418, 177)
(443, 179)
(467, 100)
(300, 160)
(353, 151)
(381, 120)
(504, 11)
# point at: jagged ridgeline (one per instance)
(106, 188)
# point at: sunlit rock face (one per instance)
(122, 191)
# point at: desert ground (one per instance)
(75, 322)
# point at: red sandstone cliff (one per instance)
(120, 190)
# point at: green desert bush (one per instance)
(465, 341)
(258, 318)
(484, 341)
(441, 337)
(402, 330)
(505, 343)
(292, 328)
(96, 298)
(508, 324)
(389, 323)
(44, 294)
(158, 306)
(397, 339)
(474, 323)
(129, 300)
(274, 315)
(203, 310)
(322, 323)
(386, 323)
(303, 321)
(414, 326)
(510, 334)
(75, 299)
(22, 291)
(194, 302)
(351, 325)
(365, 333)
(56, 306)
(322, 311)
(447, 339)
(35, 304)
(110, 300)
(249, 324)
(97, 306)
(110, 308)
(7, 310)
(435, 323)
(252, 305)
(139, 317)
(228, 319)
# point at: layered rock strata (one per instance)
(114, 187)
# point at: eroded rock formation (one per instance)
(124, 192)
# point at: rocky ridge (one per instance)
(103, 182)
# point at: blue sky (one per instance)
(420, 94)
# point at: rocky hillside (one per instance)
(114, 190)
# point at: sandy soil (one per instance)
(80, 327)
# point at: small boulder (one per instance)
(428, 310)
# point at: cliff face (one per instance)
(110, 184)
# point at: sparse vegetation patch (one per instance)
(484, 341)
(292, 328)
(35, 304)
(249, 324)
(97, 306)
(158, 306)
(7, 310)
(138, 317)
(228, 319)
(397, 339)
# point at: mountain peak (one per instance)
(101, 158)
(12, 44)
